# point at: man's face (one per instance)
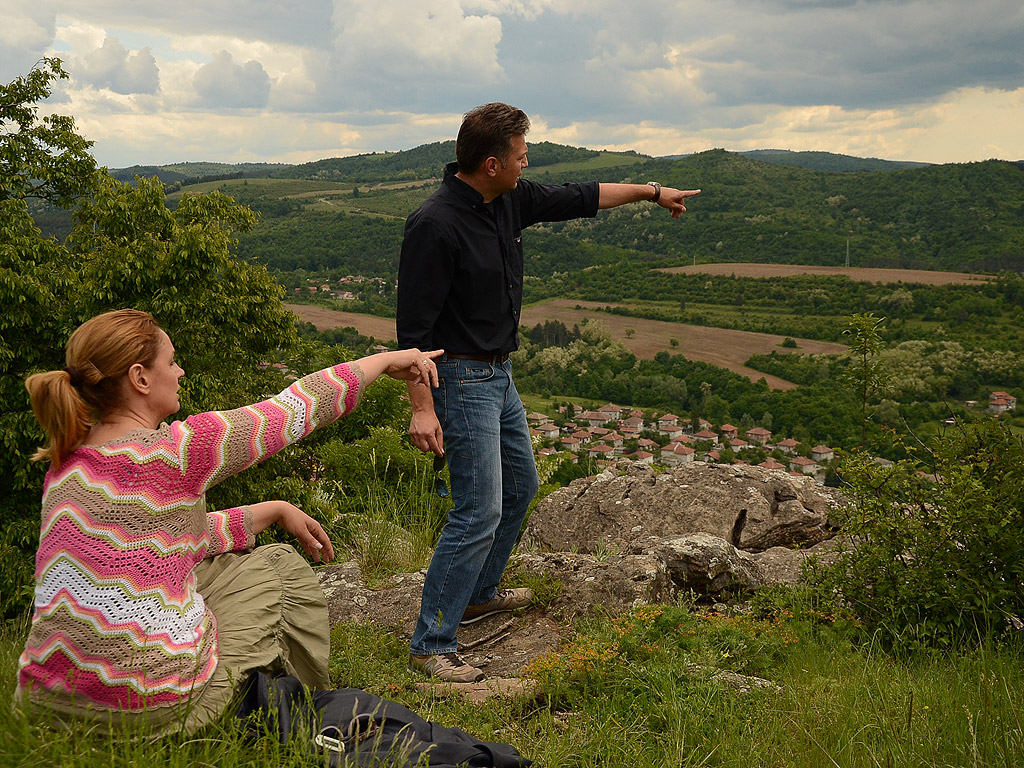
(510, 170)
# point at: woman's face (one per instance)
(165, 376)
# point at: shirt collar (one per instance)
(461, 188)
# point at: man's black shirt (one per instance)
(460, 278)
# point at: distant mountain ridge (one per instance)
(829, 161)
(428, 160)
(173, 172)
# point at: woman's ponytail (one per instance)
(60, 409)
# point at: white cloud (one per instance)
(415, 40)
(932, 80)
(26, 31)
(288, 67)
(221, 83)
(114, 67)
(943, 132)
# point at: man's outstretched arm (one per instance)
(614, 195)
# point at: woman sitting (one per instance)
(148, 607)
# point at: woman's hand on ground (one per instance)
(311, 535)
(309, 532)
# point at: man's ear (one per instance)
(137, 379)
(492, 165)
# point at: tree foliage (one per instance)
(938, 558)
(41, 157)
(867, 373)
(126, 249)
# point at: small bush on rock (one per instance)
(938, 558)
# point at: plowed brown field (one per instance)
(381, 328)
(719, 346)
(723, 347)
(863, 274)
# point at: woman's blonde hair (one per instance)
(99, 353)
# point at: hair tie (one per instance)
(76, 376)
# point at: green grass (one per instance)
(392, 533)
(601, 162)
(642, 689)
(396, 203)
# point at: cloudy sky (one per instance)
(297, 80)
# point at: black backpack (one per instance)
(347, 724)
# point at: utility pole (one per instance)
(847, 252)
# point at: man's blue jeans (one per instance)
(493, 478)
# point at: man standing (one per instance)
(460, 288)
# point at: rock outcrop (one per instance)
(631, 507)
(628, 537)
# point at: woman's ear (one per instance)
(137, 379)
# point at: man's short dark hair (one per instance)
(487, 131)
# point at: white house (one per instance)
(822, 453)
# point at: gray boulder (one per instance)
(709, 565)
(616, 583)
(629, 507)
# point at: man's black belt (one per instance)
(493, 359)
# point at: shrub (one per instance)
(938, 558)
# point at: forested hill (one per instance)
(829, 161)
(347, 213)
(964, 217)
(426, 161)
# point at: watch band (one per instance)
(657, 190)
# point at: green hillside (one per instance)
(345, 214)
(428, 161)
(828, 161)
(961, 217)
(967, 217)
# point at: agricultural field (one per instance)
(382, 328)
(723, 347)
(862, 274)
(645, 338)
